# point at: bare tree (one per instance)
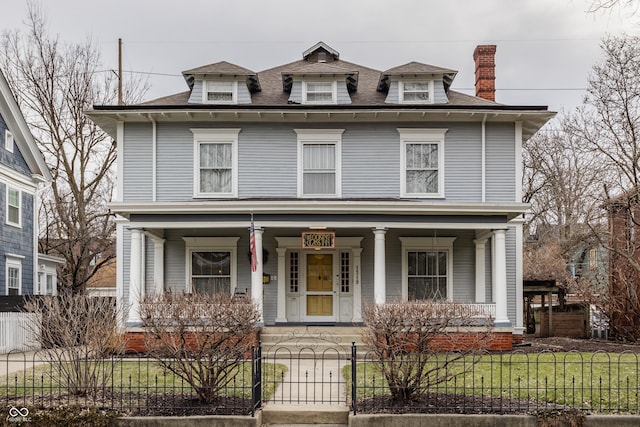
(419, 344)
(54, 83)
(203, 339)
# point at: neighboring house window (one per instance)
(319, 162)
(593, 258)
(14, 276)
(320, 93)
(416, 92)
(216, 157)
(294, 272)
(46, 283)
(427, 268)
(8, 141)
(211, 264)
(422, 162)
(14, 207)
(220, 92)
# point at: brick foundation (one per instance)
(136, 341)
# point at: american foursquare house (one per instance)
(365, 186)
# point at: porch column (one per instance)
(481, 245)
(500, 279)
(357, 286)
(281, 316)
(256, 276)
(158, 265)
(379, 271)
(136, 287)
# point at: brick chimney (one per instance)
(484, 57)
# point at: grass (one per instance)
(602, 382)
(140, 376)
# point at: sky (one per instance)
(545, 48)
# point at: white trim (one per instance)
(234, 91)
(215, 136)
(401, 83)
(483, 157)
(120, 160)
(18, 224)
(334, 92)
(518, 160)
(320, 136)
(519, 276)
(427, 244)
(154, 160)
(120, 301)
(8, 140)
(17, 179)
(211, 244)
(13, 261)
(422, 136)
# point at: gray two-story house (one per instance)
(22, 172)
(365, 186)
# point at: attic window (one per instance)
(416, 92)
(8, 141)
(320, 93)
(220, 92)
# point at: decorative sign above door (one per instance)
(319, 240)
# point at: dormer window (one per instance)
(217, 92)
(319, 93)
(416, 92)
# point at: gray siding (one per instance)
(510, 243)
(392, 96)
(196, 93)
(244, 96)
(13, 160)
(501, 164)
(439, 94)
(463, 166)
(295, 96)
(343, 96)
(138, 151)
(17, 241)
(175, 161)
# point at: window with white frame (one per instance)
(427, 268)
(14, 276)
(319, 162)
(8, 140)
(416, 92)
(320, 92)
(422, 162)
(14, 206)
(220, 92)
(216, 158)
(211, 264)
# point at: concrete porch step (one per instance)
(310, 341)
(276, 414)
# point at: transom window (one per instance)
(319, 92)
(319, 163)
(220, 92)
(422, 162)
(211, 264)
(216, 162)
(418, 92)
(14, 206)
(8, 140)
(427, 268)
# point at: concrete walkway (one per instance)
(19, 361)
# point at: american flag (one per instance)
(252, 246)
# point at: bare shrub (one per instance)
(424, 343)
(203, 339)
(78, 332)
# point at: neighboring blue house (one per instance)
(22, 171)
(365, 186)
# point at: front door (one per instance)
(319, 295)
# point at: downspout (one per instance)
(483, 156)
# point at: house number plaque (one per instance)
(319, 240)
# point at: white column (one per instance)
(500, 278)
(281, 316)
(158, 265)
(357, 286)
(256, 276)
(379, 271)
(136, 287)
(481, 245)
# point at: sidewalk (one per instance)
(20, 361)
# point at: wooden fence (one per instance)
(16, 332)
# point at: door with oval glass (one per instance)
(319, 290)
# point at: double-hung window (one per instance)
(416, 92)
(422, 162)
(13, 275)
(320, 93)
(14, 207)
(211, 264)
(319, 162)
(216, 162)
(427, 266)
(8, 141)
(220, 92)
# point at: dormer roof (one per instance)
(223, 69)
(416, 69)
(321, 69)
